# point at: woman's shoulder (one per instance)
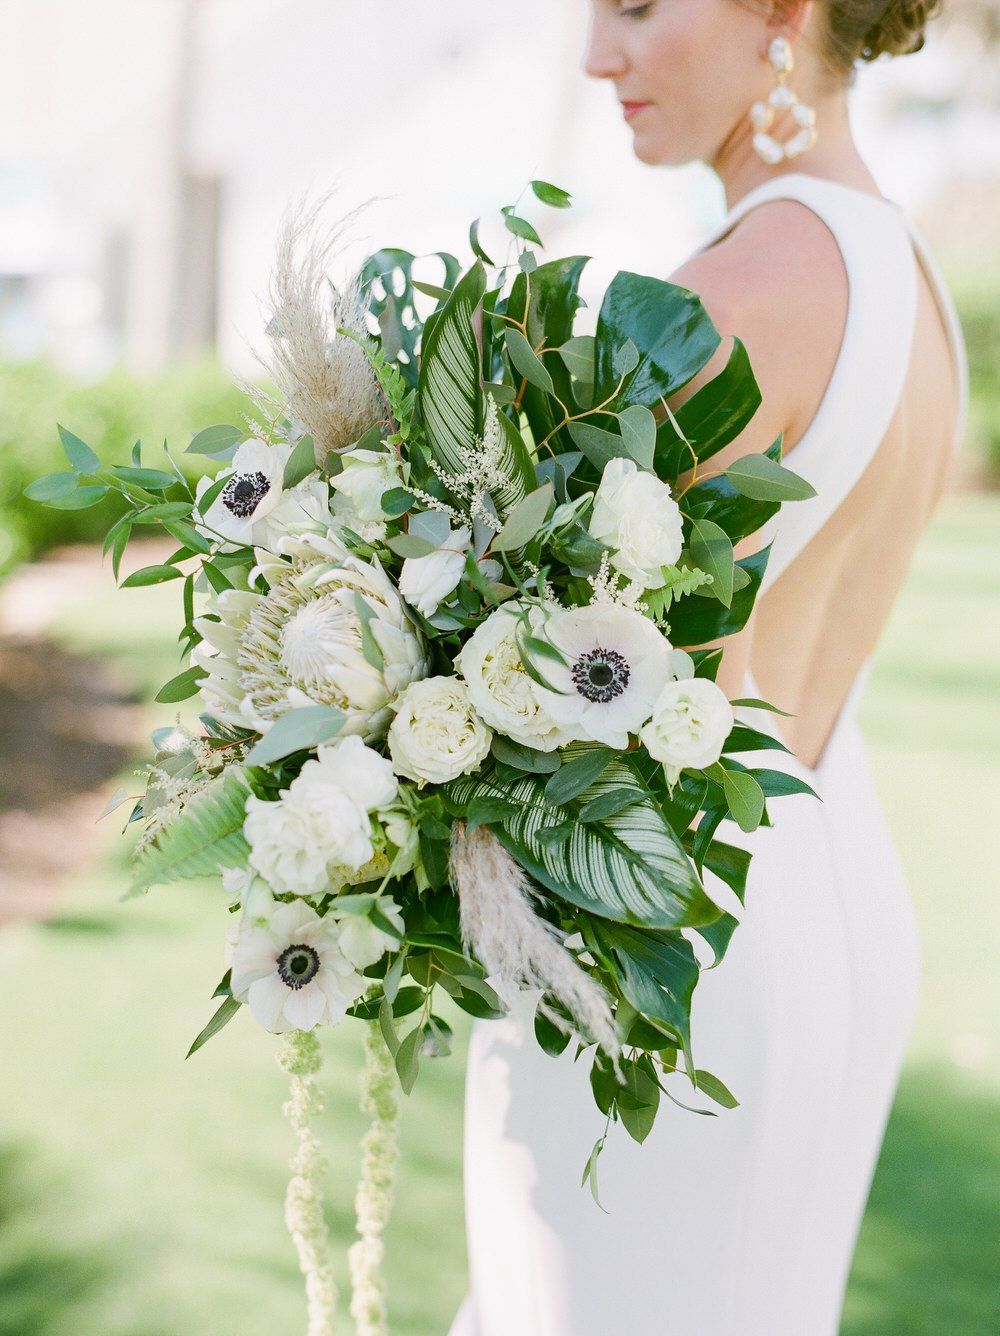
(777, 282)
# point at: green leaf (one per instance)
(577, 774)
(764, 479)
(657, 972)
(79, 453)
(82, 499)
(410, 545)
(710, 419)
(450, 391)
(206, 835)
(477, 249)
(301, 462)
(50, 487)
(408, 1059)
(554, 196)
(151, 575)
(745, 798)
(712, 552)
(514, 754)
(524, 521)
(638, 1102)
(217, 442)
(396, 502)
(369, 645)
(182, 686)
(151, 480)
(222, 1017)
(520, 226)
(578, 354)
(297, 730)
(598, 445)
(630, 867)
(432, 290)
(639, 434)
(712, 1087)
(669, 326)
(755, 704)
(608, 804)
(590, 1172)
(697, 621)
(526, 361)
(551, 1039)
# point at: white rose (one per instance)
(499, 687)
(436, 734)
(691, 721)
(295, 843)
(354, 767)
(635, 515)
(360, 485)
(425, 581)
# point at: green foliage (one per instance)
(110, 415)
(207, 835)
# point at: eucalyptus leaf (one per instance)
(300, 463)
(217, 442)
(764, 479)
(524, 521)
(297, 730)
(745, 798)
(712, 552)
(79, 453)
(527, 361)
(639, 434)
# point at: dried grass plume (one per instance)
(514, 944)
(324, 382)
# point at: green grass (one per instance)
(141, 1196)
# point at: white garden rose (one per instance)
(288, 966)
(318, 835)
(360, 485)
(426, 581)
(499, 687)
(691, 720)
(251, 492)
(636, 516)
(436, 734)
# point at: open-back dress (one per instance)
(742, 1224)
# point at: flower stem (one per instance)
(375, 1188)
(301, 1057)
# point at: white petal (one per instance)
(304, 1007)
(267, 1000)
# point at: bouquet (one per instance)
(450, 602)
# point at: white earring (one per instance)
(782, 98)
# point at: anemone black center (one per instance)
(298, 965)
(243, 493)
(601, 674)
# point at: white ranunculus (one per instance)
(252, 490)
(290, 969)
(361, 941)
(635, 515)
(360, 485)
(499, 687)
(616, 664)
(691, 720)
(436, 734)
(426, 581)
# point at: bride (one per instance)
(745, 1223)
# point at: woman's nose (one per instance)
(603, 57)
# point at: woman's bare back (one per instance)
(778, 281)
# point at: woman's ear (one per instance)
(790, 17)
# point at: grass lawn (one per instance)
(141, 1196)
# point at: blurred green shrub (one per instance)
(110, 414)
(979, 309)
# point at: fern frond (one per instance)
(206, 835)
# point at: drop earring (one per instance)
(782, 98)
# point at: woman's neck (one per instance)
(835, 155)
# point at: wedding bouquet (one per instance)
(447, 605)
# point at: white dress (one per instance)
(742, 1224)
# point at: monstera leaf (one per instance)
(628, 866)
(395, 307)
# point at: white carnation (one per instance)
(436, 734)
(691, 721)
(499, 687)
(426, 581)
(636, 516)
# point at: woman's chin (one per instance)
(657, 150)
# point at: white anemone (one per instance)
(252, 490)
(616, 665)
(289, 967)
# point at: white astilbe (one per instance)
(607, 588)
(482, 470)
(325, 382)
(300, 1057)
(373, 1202)
(516, 946)
(170, 786)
